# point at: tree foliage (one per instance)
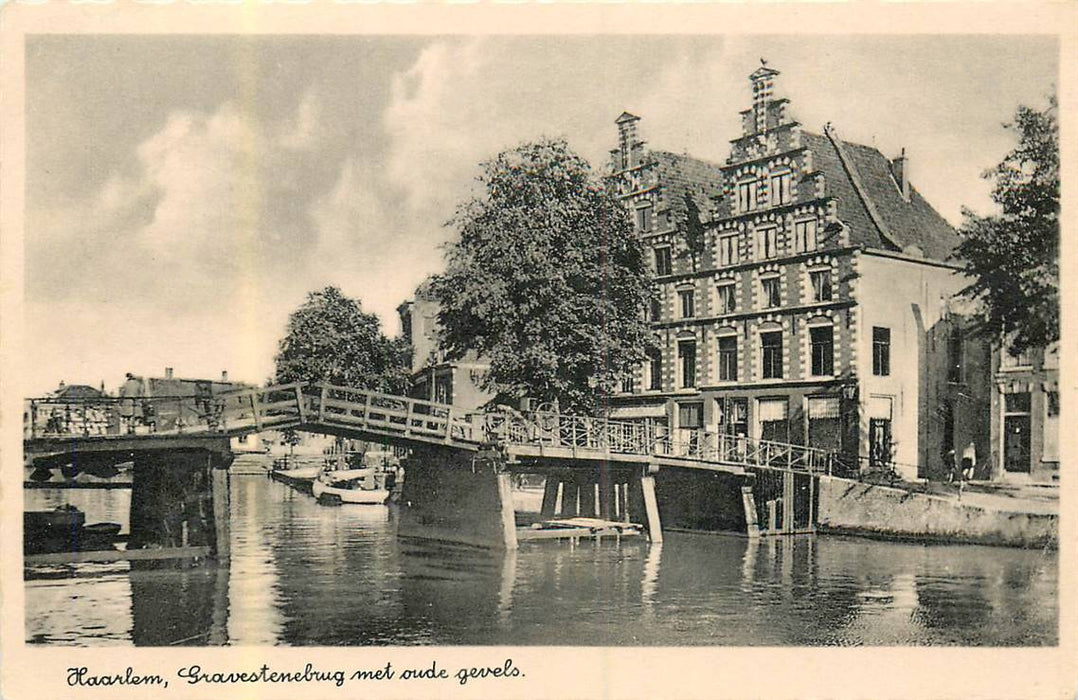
(331, 339)
(547, 279)
(1013, 256)
(692, 230)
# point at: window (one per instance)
(771, 347)
(746, 195)
(771, 414)
(1011, 361)
(805, 236)
(1016, 432)
(688, 303)
(954, 358)
(643, 219)
(824, 422)
(728, 358)
(686, 352)
(733, 415)
(655, 370)
(766, 243)
(770, 291)
(627, 384)
(728, 250)
(822, 343)
(663, 265)
(656, 308)
(1050, 449)
(780, 187)
(881, 351)
(727, 302)
(690, 415)
(821, 285)
(1052, 403)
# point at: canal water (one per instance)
(305, 574)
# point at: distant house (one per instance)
(804, 314)
(76, 391)
(436, 377)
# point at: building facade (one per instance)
(1025, 415)
(797, 286)
(434, 376)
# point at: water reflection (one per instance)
(305, 574)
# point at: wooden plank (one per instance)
(116, 555)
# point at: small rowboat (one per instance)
(333, 495)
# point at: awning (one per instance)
(654, 411)
(823, 407)
(771, 409)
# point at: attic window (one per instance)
(746, 195)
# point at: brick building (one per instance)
(797, 286)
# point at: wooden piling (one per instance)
(219, 487)
(509, 524)
(550, 497)
(788, 524)
(651, 507)
(748, 503)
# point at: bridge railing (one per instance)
(648, 439)
(238, 411)
(346, 407)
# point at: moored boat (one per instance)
(336, 494)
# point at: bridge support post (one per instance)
(452, 495)
(651, 508)
(748, 503)
(606, 493)
(550, 497)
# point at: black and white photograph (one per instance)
(409, 341)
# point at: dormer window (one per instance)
(746, 195)
(780, 187)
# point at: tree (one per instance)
(331, 339)
(692, 230)
(1013, 256)
(547, 280)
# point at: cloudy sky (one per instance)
(184, 193)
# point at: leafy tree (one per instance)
(692, 229)
(1013, 256)
(331, 339)
(547, 280)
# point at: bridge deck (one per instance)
(146, 423)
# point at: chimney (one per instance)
(900, 170)
(224, 376)
(168, 373)
(628, 145)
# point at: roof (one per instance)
(681, 175)
(871, 204)
(77, 391)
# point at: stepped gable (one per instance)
(681, 174)
(887, 221)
